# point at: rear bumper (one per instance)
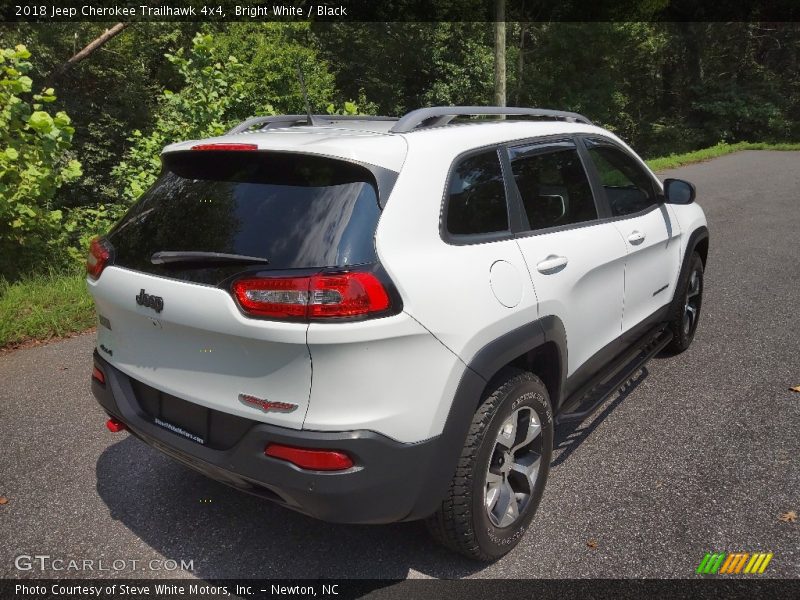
(390, 481)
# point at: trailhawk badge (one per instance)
(267, 405)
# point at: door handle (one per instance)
(552, 264)
(636, 238)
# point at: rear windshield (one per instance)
(294, 210)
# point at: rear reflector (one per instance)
(98, 375)
(115, 425)
(226, 147)
(313, 460)
(316, 297)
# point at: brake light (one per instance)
(325, 296)
(98, 258)
(226, 147)
(313, 460)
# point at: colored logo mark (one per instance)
(734, 563)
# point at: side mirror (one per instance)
(678, 191)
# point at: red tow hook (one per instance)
(115, 425)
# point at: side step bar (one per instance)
(589, 397)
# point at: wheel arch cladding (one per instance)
(701, 247)
(539, 347)
(531, 345)
(698, 242)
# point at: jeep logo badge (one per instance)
(154, 302)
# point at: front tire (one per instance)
(686, 306)
(502, 470)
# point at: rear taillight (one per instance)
(311, 459)
(351, 294)
(98, 375)
(346, 295)
(99, 256)
(277, 297)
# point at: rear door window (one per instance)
(294, 210)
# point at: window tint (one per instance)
(296, 211)
(628, 187)
(477, 197)
(553, 185)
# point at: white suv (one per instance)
(371, 320)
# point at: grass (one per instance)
(54, 305)
(678, 160)
(44, 306)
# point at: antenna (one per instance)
(311, 120)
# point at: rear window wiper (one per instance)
(180, 256)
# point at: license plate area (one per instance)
(191, 421)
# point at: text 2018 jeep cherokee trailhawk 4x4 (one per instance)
(371, 320)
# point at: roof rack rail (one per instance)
(275, 121)
(436, 116)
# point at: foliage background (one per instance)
(66, 176)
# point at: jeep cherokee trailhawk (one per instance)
(368, 319)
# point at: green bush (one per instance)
(35, 160)
(219, 91)
(212, 85)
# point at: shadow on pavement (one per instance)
(183, 515)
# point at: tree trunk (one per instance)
(500, 53)
(94, 45)
(523, 29)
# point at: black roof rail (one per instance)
(441, 115)
(275, 121)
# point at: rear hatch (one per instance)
(167, 315)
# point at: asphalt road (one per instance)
(699, 454)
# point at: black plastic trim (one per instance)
(611, 351)
(501, 351)
(613, 374)
(390, 481)
(698, 235)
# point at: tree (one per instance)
(35, 160)
(452, 62)
(201, 108)
(500, 52)
(93, 46)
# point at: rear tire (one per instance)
(685, 312)
(502, 470)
